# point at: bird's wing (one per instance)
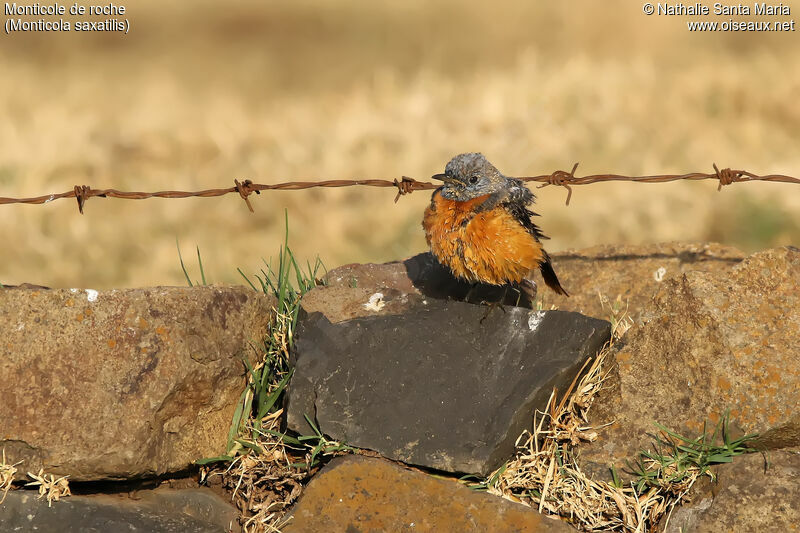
(518, 199)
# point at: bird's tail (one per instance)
(549, 276)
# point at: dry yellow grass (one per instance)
(194, 98)
(50, 487)
(7, 472)
(545, 472)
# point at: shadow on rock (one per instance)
(434, 280)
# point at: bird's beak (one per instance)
(442, 177)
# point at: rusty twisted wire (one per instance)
(406, 185)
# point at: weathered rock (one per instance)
(156, 511)
(339, 303)
(436, 386)
(356, 290)
(357, 494)
(634, 273)
(747, 498)
(124, 383)
(714, 341)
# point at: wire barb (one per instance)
(245, 189)
(726, 176)
(561, 178)
(405, 186)
(82, 193)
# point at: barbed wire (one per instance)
(405, 185)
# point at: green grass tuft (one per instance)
(287, 282)
(253, 422)
(676, 458)
(186, 272)
(318, 446)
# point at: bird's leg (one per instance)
(505, 294)
(490, 306)
(470, 291)
(519, 295)
(530, 289)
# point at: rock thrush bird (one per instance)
(479, 226)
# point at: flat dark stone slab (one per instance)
(172, 511)
(435, 386)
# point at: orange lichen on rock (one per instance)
(162, 332)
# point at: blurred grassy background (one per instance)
(196, 96)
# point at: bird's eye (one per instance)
(473, 180)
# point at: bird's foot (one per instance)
(491, 306)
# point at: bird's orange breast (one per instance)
(488, 246)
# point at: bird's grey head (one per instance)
(469, 176)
